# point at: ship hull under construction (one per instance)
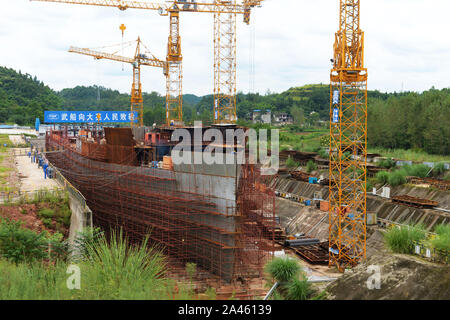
(220, 217)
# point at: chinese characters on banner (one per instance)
(89, 116)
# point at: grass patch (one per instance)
(442, 240)
(382, 177)
(46, 213)
(52, 205)
(412, 155)
(438, 169)
(292, 281)
(416, 170)
(111, 269)
(309, 142)
(298, 289)
(397, 178)
(5, 169)
(311, 166)
(401, 239)
(291, 163)
(386, 163)
(283, 269)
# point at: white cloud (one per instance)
(406, 43)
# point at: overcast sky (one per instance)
(407, 44)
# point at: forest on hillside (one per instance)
(405, 120)
(23, 98)
(413, 121)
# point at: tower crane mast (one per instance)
(348, 141)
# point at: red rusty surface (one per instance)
(414, 202)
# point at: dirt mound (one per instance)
(403, 277)
(28, 215)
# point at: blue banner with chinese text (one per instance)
(89, 116)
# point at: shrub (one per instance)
(291, 163)
(63, 215)
(20, 245)
(46, 213)
(298, 289)
(295, 128)
(396, 178)
(211, 293)
(386, 163)
(292, 282)
(442, 229)
(283, 269)
(401, 239)
(369, 186)
(418, 170)
(438, 169)
(442, 241)
(311, 166)
(84, 238)
(47, 222)
(323, 154)
(382, 177)
(118, 269)
(191, 270)
(115, 270)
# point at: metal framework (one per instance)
(225, 66)
(174, 80)
(348, 142)
(139, 59)
(229, 237)
(225, 12)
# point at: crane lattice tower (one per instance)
(348, 141)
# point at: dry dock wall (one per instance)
(385, 209)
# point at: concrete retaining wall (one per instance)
(81, 218)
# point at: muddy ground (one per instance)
(28, 214)
(403, 277)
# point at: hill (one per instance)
(23, 98)
(22, 94)
(396, 120)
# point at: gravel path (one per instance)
(30, 176)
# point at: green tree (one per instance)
(298, 115)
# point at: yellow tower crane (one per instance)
(225, 12)
(139, 59)
(348, 141)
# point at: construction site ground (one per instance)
(403, 277)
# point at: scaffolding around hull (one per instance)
(221, 219)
